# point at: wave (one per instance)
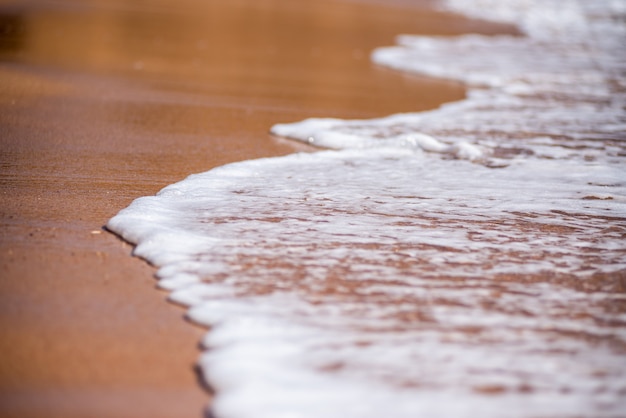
(466, 261)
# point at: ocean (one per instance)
(465, 261)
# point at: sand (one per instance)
(102, 102)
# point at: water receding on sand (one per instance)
(467, 261)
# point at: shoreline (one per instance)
(91, 126)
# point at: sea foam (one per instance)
(466, 261)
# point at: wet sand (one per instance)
(105, 101)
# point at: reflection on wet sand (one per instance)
(294, 55)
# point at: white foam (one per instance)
(398, 222)
(467, 261)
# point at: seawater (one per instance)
(467, 261)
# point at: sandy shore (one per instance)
(103, 102)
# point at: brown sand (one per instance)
(105, 101)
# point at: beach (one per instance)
(104, 102)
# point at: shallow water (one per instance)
(467, 261)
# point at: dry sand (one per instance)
(105, 101)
